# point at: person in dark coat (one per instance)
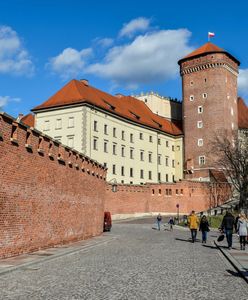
(204, 228)
(227, 226)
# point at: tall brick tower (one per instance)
(209, 81)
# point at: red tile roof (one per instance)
(77, 92)
(28, 120)
(207, 49)
(242, 114)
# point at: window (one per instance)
(142, 174)
(46, 125)
(159, 141)
(131, 153)
(105, 129)
(191, 83)
(131, 138)
(181, 191)
(123, 135)
(105, 147)
(166, 177)
(199, 124)
(114, 169)
(70, 141)
(159, 176)
(173, 148)
(200, 142)
(167, 161)
(232, 125)
(150, 138)
(114, 132)
(150, 175)
(150, 157)
(131, 172)
(95, 126)
(114, 149)
(204, 95)
(176, 191)
(231, 111)
(58, 138)
(173, 178)
(122, 171)
(95, 144)
(58, 124)
(105, 165)
(142, 155)
(173, 163)
(159, 192)
(167, 143)
(200, 109)
(191, 97)
(71, 122)
(159, 159)
(201, 160)
(123, 151)
(141, 136)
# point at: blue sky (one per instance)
(119, 46)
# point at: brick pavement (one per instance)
(139, 263)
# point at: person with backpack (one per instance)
(204, 228)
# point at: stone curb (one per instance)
(238, 267)
(62, 252)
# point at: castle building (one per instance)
(136, 145)
(141, 139)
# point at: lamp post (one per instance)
(177, 206)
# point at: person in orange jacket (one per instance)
(193, 223)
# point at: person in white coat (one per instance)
(242, 230)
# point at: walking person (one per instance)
(204, 228)
(227, 226)
(242, 230)
(193, 223)
(159, 219)
(171, 223)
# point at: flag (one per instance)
(211, 34)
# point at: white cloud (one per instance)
(70, 62)
(243, 81)
(14, 59)
(134, 26)
(4, 100)
(105, 42)
(148, 58)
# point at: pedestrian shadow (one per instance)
(233, 273)
(209, 246)
(188, 240)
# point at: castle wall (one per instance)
(49, 194)
(162, 198)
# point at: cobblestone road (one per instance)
(140, 263)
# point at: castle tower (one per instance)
(209, 84)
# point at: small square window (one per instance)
(199, 124)
(200, 109)
(204, 95)
(191, 97)
(201, 160)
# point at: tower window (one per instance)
(201, 160)
(205, 79)
(204, 95)
(191, 97)
(199, 124)
(200, 109)
(191, 83)
(231, 111)
(200, 142)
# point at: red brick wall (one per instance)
(154, 198)
(44, 200)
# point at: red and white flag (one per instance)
(211, 34)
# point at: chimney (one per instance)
(84, 81)
(20, 116)
(119, 95)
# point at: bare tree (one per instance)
(231, 154)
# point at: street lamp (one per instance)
(177, 206)
(113, 183)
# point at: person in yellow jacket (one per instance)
(193, 223)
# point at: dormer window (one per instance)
(111, 106)
(134, 115)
